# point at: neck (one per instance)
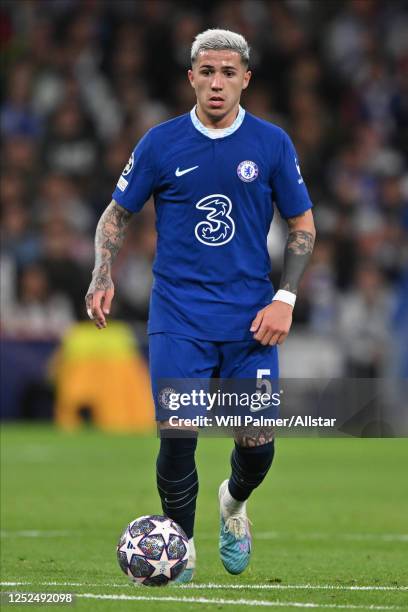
(209, 121)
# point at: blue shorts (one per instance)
(172, 356)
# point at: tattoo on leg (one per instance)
(253, 436)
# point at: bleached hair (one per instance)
(215, 40)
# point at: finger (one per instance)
(262, 333)
(88, 305)
(282, 338)
(100, 320)
(97, 310)
(266, 338)
(274, 338)
(257, 321)
(107, 300)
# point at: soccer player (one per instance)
(214, 173)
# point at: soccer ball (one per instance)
(152, 550)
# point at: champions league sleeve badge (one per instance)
(247, 171)
(128, 168)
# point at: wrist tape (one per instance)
(285, 296)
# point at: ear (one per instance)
(247, 78)
(190, 75)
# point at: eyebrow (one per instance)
(223, 67)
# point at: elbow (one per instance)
(313, 231)
(311, 228)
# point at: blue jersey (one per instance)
(214, 206)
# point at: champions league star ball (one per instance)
(153, 550)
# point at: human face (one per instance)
(218, 78)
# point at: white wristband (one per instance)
(285, 296)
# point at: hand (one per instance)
(99, 298)
(272, 324)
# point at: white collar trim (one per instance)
(214, 132)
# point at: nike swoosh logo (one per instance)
(181, 172)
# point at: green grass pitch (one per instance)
(331, 517)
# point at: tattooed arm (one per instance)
(272, 324)
(299, 247)
(110, 233)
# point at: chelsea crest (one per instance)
(164, 397)
(247, 171)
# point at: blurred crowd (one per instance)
(84, 79)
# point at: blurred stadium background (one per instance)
(84, 79)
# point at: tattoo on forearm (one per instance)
(300, 242)
(298, 250)
(110, 233)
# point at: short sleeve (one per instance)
(289, 189)
(137, 181)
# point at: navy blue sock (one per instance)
(249, 467)
(177, 480)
